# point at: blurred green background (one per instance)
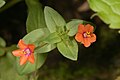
(101, 61)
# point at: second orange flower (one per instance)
(85, 35)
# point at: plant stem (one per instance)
(9, 4)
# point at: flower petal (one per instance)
(93, 38)
(86, 42)
(79, 37)
(23, 59)
(32, 47)
(17, 52)
(31, 58)
(81, 28)
(21, 44)
(89, 28)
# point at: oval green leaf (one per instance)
(35, 17)
(36, 36)
(45, 47)
(53, 38)
(68, 49)
(72, 26)
(53, 19)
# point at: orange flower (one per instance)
(85, 35)
(25, 52)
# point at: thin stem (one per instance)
(9, 4)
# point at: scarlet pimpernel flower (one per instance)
(26, 52)
(85, 35)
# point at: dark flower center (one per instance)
(27, 51)
(86, 34)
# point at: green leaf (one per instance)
(104, 17)
(28, 67)
(72, 26)
(2, 3)
(36, 36)
(45, 47)
(108, 11)
(35, 17)
(115, 25)
(53, 19)
(68, 48)
(53, 38)
(2, 42)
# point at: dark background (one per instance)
(101, 61)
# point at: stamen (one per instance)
(86, 34)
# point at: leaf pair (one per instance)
(57, 27)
